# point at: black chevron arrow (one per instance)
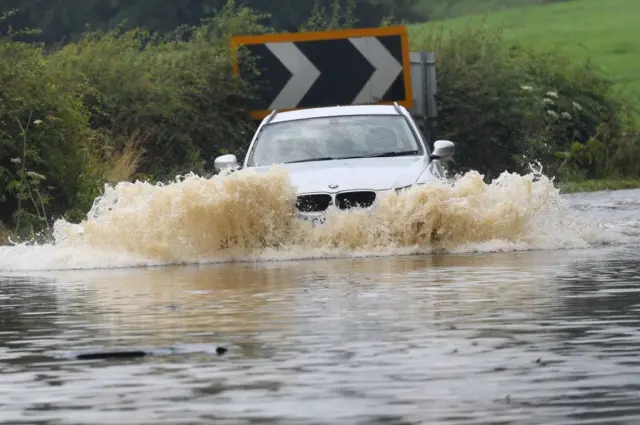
(343, 72)
(339, 71)
(273, 76)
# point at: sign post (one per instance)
(423, 81)
(329, 68)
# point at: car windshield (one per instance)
(317, 139)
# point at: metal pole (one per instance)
(431, 89)
(425, 94)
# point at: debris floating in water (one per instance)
(124, 353)
(111, 354)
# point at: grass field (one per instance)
(605, 31)
(439, 9)
(598, 185)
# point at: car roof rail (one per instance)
(271, 116)
(397, 108)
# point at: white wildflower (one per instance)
(577, 106)
(566, 115)
(547, 101)
(16, 160)
(36, 122)
(552, 94)
(36, 176)
(527, 88)
(552, 114)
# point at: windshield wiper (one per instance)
(379, 155)
(325, 158)
(401, 153)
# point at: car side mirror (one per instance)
(443, 150)
(225, 161)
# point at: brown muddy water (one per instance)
(539, 324)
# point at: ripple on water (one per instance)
(513, 338)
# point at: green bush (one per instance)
(46, 155)
(177, 97)
(507, 105)
(116, 106)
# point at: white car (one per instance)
(344, 156)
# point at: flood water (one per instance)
(544, 336)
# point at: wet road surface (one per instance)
(539, 337)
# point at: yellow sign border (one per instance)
(400, 30)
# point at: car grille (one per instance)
(313, 203)
(346, 200)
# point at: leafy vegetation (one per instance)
(114, 106)
(63, 22)
(507, 105)
(122, 103)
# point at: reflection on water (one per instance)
(526, 338)
(251, 298)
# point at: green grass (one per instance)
(605, 31)
(598, 185)
(439, 9)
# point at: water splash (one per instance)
(248, 215)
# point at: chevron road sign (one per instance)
(328, 68)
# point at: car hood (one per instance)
(353, 174)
